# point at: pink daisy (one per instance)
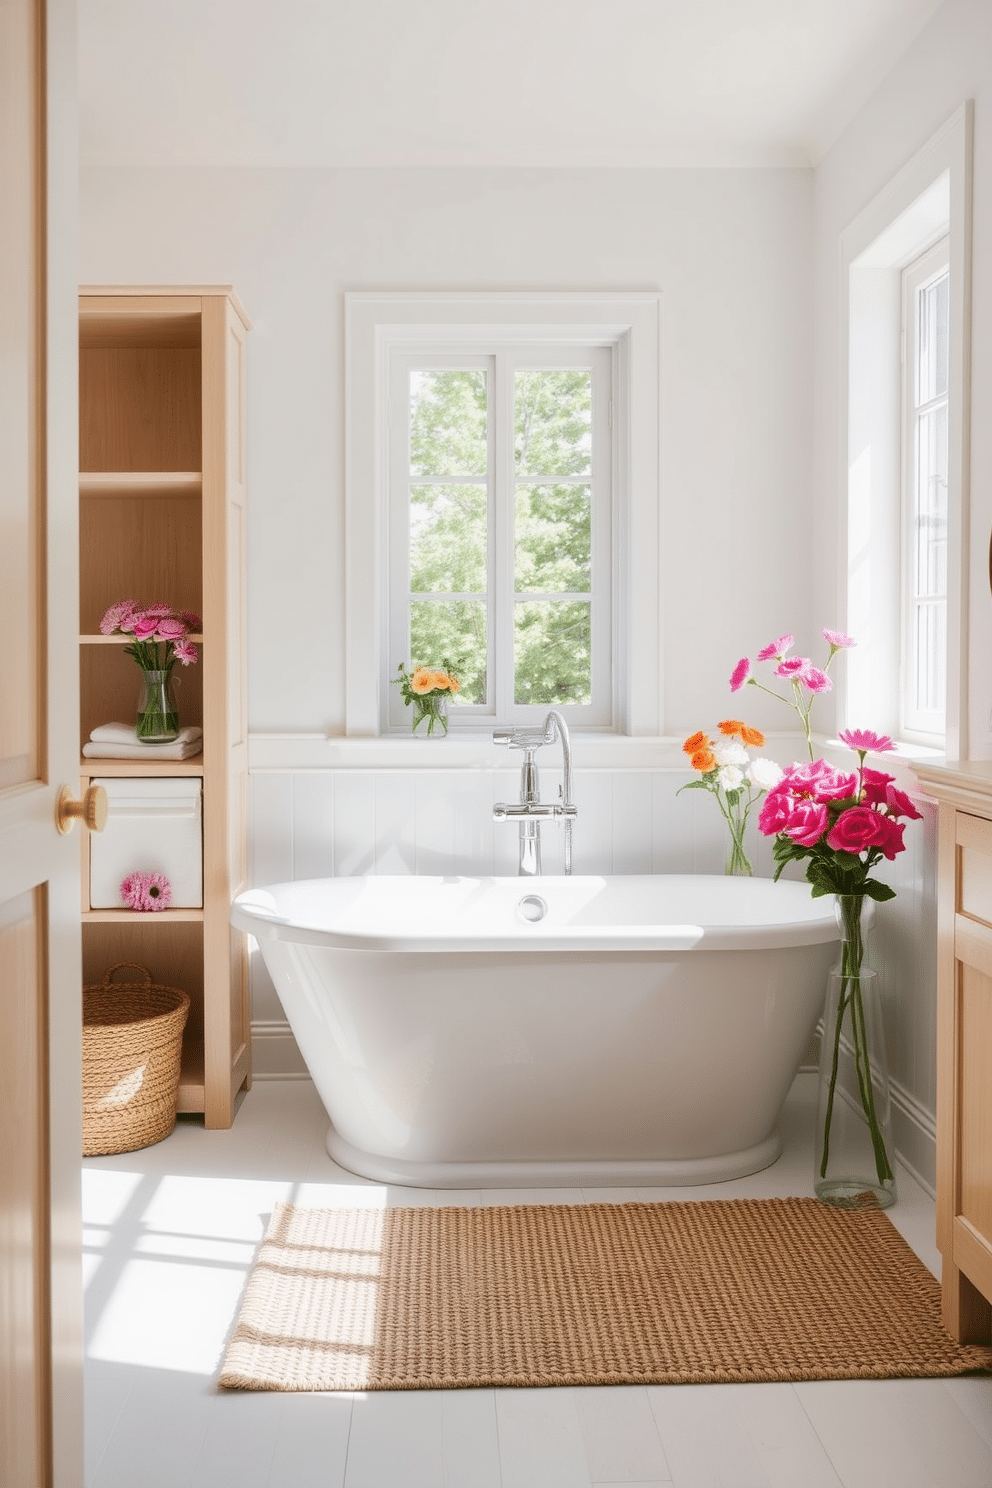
(815, 680)
(740, 674)
(777, 648)
(864, 740)
(184, 651)
(116, 615)
(837, 640)
(146, 891)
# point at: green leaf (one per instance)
(880, 892)
(692, 785)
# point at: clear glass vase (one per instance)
(855, 1150)
(432, 712)
(158, 713)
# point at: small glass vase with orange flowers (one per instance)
(428, 690)
(734, 779)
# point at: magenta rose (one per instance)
(807, 823)
(899, 804)
(876, 784)
(857, 829)
(775, 813)
(891, 842)
(821, 781)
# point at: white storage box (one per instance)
(153, 826)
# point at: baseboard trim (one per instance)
(274, 1052)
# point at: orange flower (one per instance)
(422, 680)
(442, 680)
(453, 683)
(730, 727)
(696, 742)
(751, 736)
(703, 761)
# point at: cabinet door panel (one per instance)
(975, 1156)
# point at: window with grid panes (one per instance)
(500, 522)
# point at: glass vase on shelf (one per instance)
(157, 713)
(855, 1149)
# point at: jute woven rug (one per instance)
(684, 1293)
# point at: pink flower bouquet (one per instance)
(161, 638)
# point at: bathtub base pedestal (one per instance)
(564, 1173)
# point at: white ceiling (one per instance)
(480, 82)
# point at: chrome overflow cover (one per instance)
(532, 908)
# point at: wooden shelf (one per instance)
(140, 483)
(117, 639)
(128, 916)
(137, 767)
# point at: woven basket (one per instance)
(132, 1041)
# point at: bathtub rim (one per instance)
(250, 913)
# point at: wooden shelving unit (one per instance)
(161, 518)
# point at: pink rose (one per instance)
(821, 781)
(143, 625)
(891, 842)
(775, 813)
(899, 803)
(856, 829)
(876, 784)
(807, 823)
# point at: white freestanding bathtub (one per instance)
(514, 1032)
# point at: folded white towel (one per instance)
(126, 733)
(176, 750)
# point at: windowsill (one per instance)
(464, 750)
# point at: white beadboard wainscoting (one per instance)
(322, 807)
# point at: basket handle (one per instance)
(124, 966)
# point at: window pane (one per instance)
(552, 534)
(448, 539)
(453, 634)
(448, 423)
(552, 418)
(931, 648)
(931, 503)
(934, 302)
(552, 652)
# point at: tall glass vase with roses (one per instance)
(842, 824)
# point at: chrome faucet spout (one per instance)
(530, 810)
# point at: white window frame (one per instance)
(920, 725)
(629, 326)
(501, 363)
(928, 199)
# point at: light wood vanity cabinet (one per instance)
(964, 1043)
(162, 519)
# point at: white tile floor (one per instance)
(170, 1232)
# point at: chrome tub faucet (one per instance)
(530, 811)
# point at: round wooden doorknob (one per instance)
(91, 810)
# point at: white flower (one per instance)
(730, 777)
(730, 752)
(765, 774)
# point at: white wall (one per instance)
(730, 251)
(950, 62)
